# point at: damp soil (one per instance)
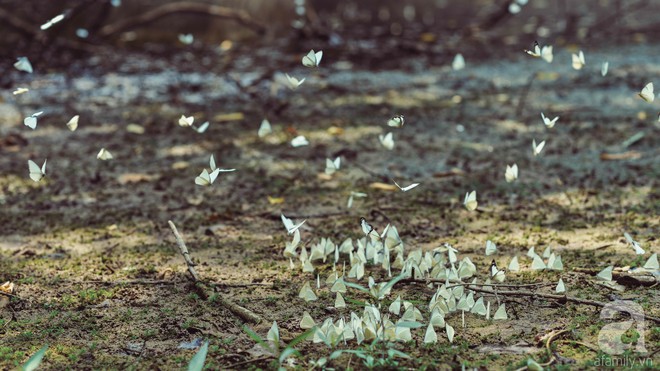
(98, 274)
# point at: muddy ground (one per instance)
(99, 277)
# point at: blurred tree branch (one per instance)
(162, 11)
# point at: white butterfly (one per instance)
(458, 63)
(293, 82)
(430, 337)
(547, 252)
(332, 166)
(495, 273)
(560, 287)
(555, 263)
(36, 172)
(578, 61)
(407, 188)
(538, 263)
(470, 200)
(604, 68)
(514, 266)
(31, 121)
(20, 91)
(299, 141)
(536, 149)
(491, 248)
(396, 121)
(531, 253)
(368, 229)
(202, 128)
(549, 123)
(500, 313)
(511, 173)
(104, 155)
(82, 33)
(50, 23)
(652, 263)
(186, 39)
(312, 59)
(206, 178)
(647, 93)
(73, 123)
(186, 121)
(605, 274)
(23, 64)
(307, 321)
(274, 334)
(349, 204)
(514, 8)
(306, 293)
(264, 129)
(635, 244)
(450, 333)
(544, 53)
(479, 307)
(288, 224)
(386, 140)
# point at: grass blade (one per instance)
(35, 360)
(197, 362)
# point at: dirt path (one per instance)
(96, 267)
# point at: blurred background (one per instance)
(478, 28)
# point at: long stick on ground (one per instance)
(245, 314)
(184, 251)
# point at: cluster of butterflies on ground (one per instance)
(377, 248)
(439, 264)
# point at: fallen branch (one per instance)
(162, 11)
(184, 251)
(245, 314)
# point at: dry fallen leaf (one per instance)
(7, 287)
(383, 186)
(233, 116)
(130, 178)
(275, 200)
(335, 130)
(630, 155)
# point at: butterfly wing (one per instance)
(30, 122)
(310, 59)
(213, 175)
(264, 129)
(203, 179)
(35, 172)
(647, 93)
(73, 123)
(212, 163)
(202, 128)
(319, 56)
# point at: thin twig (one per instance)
(243, 313)
(552, 337)
(184, 252)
